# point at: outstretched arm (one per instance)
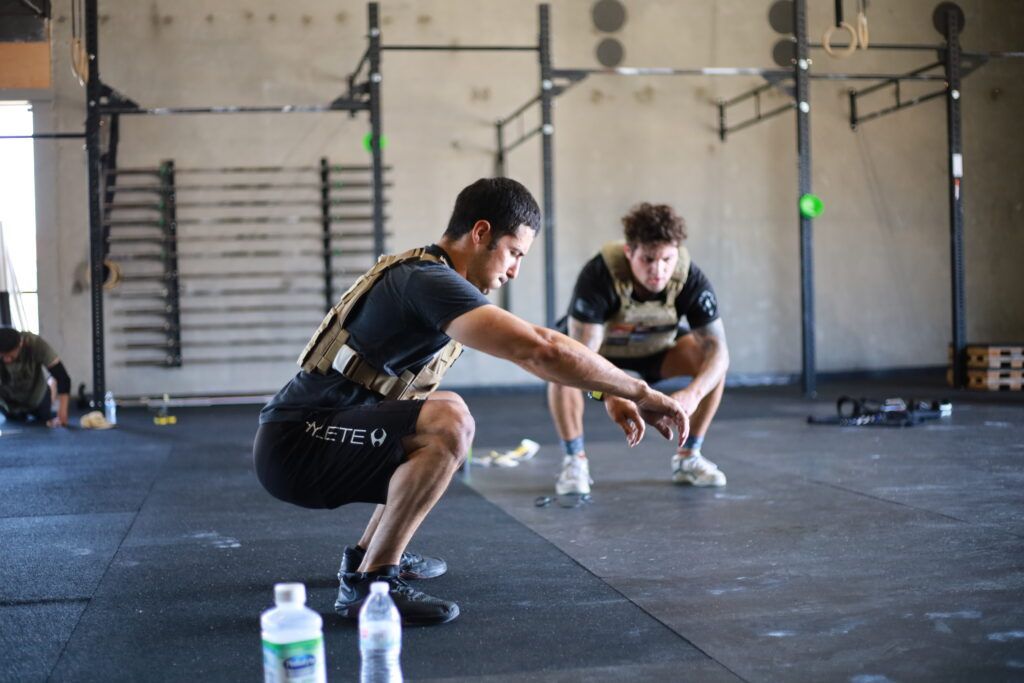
(554, 357)
(622, 411)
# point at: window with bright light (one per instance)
(18, 216)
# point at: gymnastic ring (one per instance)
(862, 30)
(114, 274)
(826, 40)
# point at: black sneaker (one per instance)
(416, 607)
(413, 566)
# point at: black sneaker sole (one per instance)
(415, 576)
(352, 612)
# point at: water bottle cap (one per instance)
(379, 587)
(289, 594)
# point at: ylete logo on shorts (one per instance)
(343, 435)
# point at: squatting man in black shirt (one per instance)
(362, 422)
(628, 305)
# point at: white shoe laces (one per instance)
(575, 469)
(696, 463)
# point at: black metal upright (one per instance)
(373, 58)
(325, 224)
(96, 245)
(803, 148)
(173, 284)
(547, 163)
(956, 208)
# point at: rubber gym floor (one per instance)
(861, 554)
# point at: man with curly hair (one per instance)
(629, 305)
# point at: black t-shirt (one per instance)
(396, 327)
(594, 299)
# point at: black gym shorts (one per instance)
(331, 458)
(648, 367)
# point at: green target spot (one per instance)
(811, 206)
(368, 142)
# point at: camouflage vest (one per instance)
(640, 329)
(328, 347)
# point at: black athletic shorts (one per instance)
(648, 367)
(331, 458)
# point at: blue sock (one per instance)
(573, 446)
(693, 443)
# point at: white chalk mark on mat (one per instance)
(216, 540)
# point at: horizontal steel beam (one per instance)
(237, 203)
(44, 136)
(339, 185)
(459, 48)
(337, 105)
(338, 168)
(734, 71)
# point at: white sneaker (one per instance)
(575, 476)
(696, 470)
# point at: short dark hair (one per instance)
(653, 224)
(9, 338)
(502, 202)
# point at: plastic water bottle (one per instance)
(380, 637)
(110, 408)
(293, 639)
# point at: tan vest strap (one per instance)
(614, 257)
(323, 347)
(404, 386)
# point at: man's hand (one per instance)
(61, 420)
(688, 400)
(663, 412)
(624, 413)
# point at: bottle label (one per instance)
(381, 635)
(301, 662)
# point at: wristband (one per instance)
(595, 395)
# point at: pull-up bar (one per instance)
(336, 105)
(735, 71)
(460, 48)
(43, 136)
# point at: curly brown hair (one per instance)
(652, 224)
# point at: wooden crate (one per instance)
(991, 379)
(995, 356)
(991, 356)
(995, 380)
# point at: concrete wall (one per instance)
(882, 258)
